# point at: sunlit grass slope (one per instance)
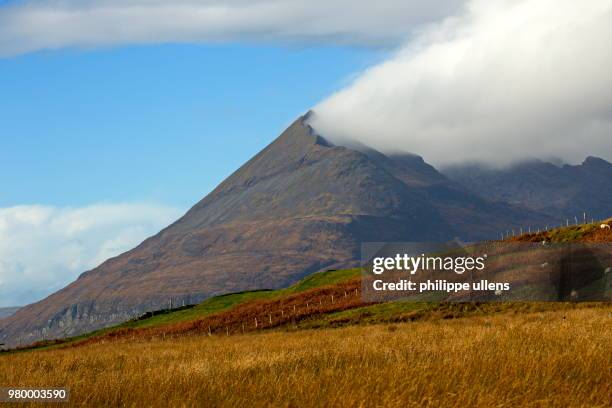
(552, 358)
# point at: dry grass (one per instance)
(553, 358)
(591, 233)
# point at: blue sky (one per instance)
(163, 123)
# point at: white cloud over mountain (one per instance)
(45, 24)
(504, 81)
(43, 248)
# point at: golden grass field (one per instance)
(550, 358)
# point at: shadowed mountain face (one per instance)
(299, 206)
(559, 191)
(7, 311)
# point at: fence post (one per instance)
(270, 316)
(255, 322)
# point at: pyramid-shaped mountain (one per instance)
(299, 206)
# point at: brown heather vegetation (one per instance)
(591, 233)
(548, 358)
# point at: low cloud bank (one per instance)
(43, 248)
(504, 81)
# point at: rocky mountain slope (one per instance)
(299, 206)
(7, 311)
(562, 192)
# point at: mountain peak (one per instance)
(305, 117)
(595, 161)
(297, 139)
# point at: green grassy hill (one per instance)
(225, 302)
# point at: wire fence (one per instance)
(584, 219)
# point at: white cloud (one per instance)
(505, 80)
(44, 248)
(33, 25)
